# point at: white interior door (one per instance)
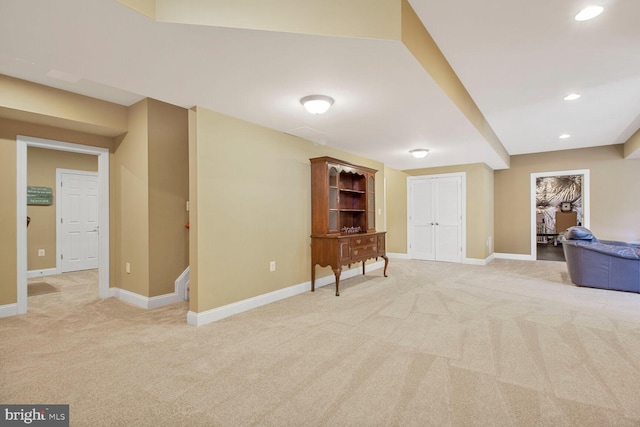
(79, 226)
(448, 220)
(435, 218)
(421, 219)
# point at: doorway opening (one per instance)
(22, 142)
(559, 200)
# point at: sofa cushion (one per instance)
(579, 233)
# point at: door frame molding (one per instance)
(22, 142)
(463, 209)
(586, 202)
(59, 172)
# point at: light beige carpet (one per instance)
(509, 344)
(40, 288)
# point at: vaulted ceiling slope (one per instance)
(490, 86)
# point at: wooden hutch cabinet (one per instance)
(343, 217)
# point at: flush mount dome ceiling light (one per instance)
(564, 136)
(419, 153)
(589, 12)
(572, 97)
(317, 104)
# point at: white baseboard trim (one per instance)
(141, 301)
(130, 297)
(519, 257)
(162, 300)
(178, 295)
(398, 255)
(41, 273)
(9, 310)
(219, 313)
(474, 261)
(478, 261)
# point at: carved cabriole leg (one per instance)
(386, 263)
(313, 277)
(337, 272)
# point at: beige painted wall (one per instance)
(8, 257)
(41, 171)
(615, 201)
(150, 188)
(194, 208)
(632, 146)
(9, 129)
(486, 226)
(396, 204)
(38, 104)
(479, 205)
(130, 179)
(168, 195)
(253, 192)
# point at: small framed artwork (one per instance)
(565, 206)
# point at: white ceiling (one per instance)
(517, 59)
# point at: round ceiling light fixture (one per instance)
(588, 12)
(419, 153)
(572, 97)
(317, 104)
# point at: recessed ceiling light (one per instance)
(564, 136)
(419, 153)
(589, 12)
(572, 97)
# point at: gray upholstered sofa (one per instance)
(601, 264)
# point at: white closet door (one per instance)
(422, 219)
(435, 219)
(448, 220)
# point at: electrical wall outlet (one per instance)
(127, 268)
(272, 266)
(40, 252)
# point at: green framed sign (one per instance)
(42, 196)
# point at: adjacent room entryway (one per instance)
(21, 197)
(559, 200)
